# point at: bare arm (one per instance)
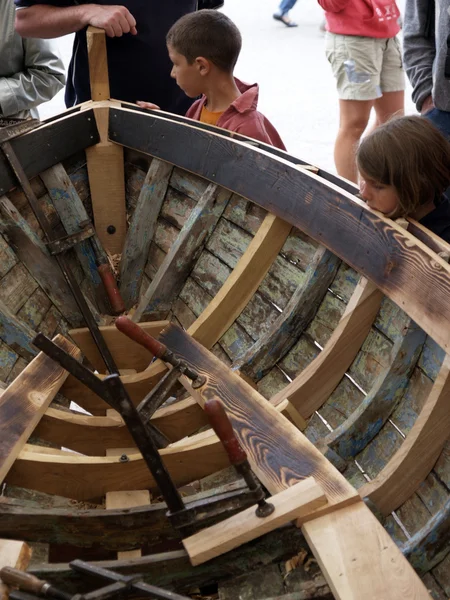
(45, 21)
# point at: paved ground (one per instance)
(297, 88)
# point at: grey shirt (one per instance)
(30, 70)
(425, 49)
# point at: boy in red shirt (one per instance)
(365, 56)
(204, 47)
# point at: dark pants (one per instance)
(441, 119)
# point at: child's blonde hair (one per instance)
(411, 155)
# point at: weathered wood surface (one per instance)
(312, 387)
(366, 564)
(33, 254)
(288, 456)
(418, 453)
(141, 230)
(286, 329)
(16, 334)
(25, 400)
(242, 283)
(183, 254)
(294, 502)
(48, 145)
(430, 545)
(366, 421)
(174, 569)
(127, 354)
(402, 267)
(74, 217)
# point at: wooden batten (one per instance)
(105, 159)
(293, 503)
(14, 554)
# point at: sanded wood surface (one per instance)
(313, 386)
(292, 503)
(107, 186)
(242, 283)
(184, 252)
(359, 559)
(98, 63)
(418, 453)
(25, 401)
(15, 554)
(402, 267)
(277, 451)
(32, 252)
(127, 354)
(141, 230)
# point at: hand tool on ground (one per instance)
(29, 583)
(159, 350)
(6, 134)
(221, 424)
(187, 518)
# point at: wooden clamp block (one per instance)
(294, 502)
(13, 554)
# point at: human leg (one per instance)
(282, 13)
(353, 119)
(356, 66)
(390, 104)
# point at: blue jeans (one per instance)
(441, 119)
(285, 6)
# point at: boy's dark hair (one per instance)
(410, 154)
(207, 33)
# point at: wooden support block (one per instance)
(126, 499)
(292, 503)
(13, 554)
(98, 63)
(287, 409)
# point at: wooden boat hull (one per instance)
(337, 316)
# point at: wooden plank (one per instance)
(359, 559)
(283, 333)
(365, 422)
(127, 354)
(48, 145)
(16, 334)
(292, 503)
(74, 216)
(25, 401)
(107, 184)
(402, 267)
(242, 283)
(288, 455)
(98, 63)
(183, 254)
(318, 380)
(418, 453)
(15, 554)
(35, 257)
(141, 230)
(137, 386)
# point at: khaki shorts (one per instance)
(365, 67)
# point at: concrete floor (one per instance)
(297, 89)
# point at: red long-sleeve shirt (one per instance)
(367, 18)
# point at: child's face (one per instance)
(378, 196)
(188, 77)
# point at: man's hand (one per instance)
(147, 105)
(115, 20)
(427, 105)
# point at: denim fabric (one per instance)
(285, 6)
(440, 118)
